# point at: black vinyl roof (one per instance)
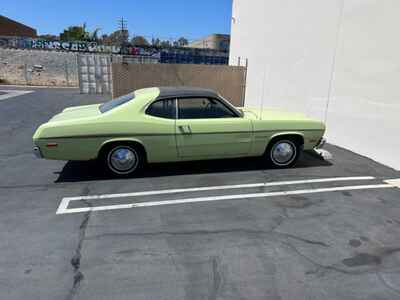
(183, 91)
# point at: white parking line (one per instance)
(64, 210)
(63, 207)
(12, 93)
(221, 187)
(259, 195)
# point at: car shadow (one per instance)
(76, 171)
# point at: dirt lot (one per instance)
(206, 230)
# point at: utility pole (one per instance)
(123, 28)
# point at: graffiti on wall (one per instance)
(163, 55)
(72, 46)
(75, 46)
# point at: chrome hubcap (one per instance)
(123, 159)
(283, 153)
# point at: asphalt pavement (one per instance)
(226, 229)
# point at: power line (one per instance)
(124, 35)
(123, 27)
(122, 24)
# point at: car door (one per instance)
(208, 128)
(160, 141)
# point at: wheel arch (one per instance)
(122, 141)
(293, 136)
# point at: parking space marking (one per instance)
(221, 187)
(260, 195)
(63, 207)
(64, 204)
(12, 93)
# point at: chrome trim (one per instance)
(321, 143)
(324, 154)
(283, 153)
(37, 152)
(111, 135)
(123, 160)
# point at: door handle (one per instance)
(185, 129)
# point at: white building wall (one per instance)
(291, 46)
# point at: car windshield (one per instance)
(107, 106)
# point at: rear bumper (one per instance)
(321, 143)
(37, 152)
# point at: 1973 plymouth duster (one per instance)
(170, 124)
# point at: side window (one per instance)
(162, 109)
(203, 108)
(220, 110)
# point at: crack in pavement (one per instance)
(216, 279)
(206, 232)
(319, 266)
(307, 241)
(76, 259)
(386, 284)
(278, 221)
(321, 269)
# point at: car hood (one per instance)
(77, 112)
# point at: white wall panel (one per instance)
(292, 44)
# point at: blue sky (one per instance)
(159, 18)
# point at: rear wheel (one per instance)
(122, 160)
(283, 153)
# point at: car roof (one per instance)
(183, 91)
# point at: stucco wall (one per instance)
(291, 50)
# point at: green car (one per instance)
(170, 124)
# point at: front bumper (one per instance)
(37, 152)
(321, 143)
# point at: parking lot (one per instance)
(202, 230)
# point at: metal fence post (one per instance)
(79, 73)
(244, 81)
(66, 72)
(110, 75)
(26, 74)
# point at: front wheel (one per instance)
(122, 160)
(283, 153)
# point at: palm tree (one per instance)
(91, 36)
(94, 35)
